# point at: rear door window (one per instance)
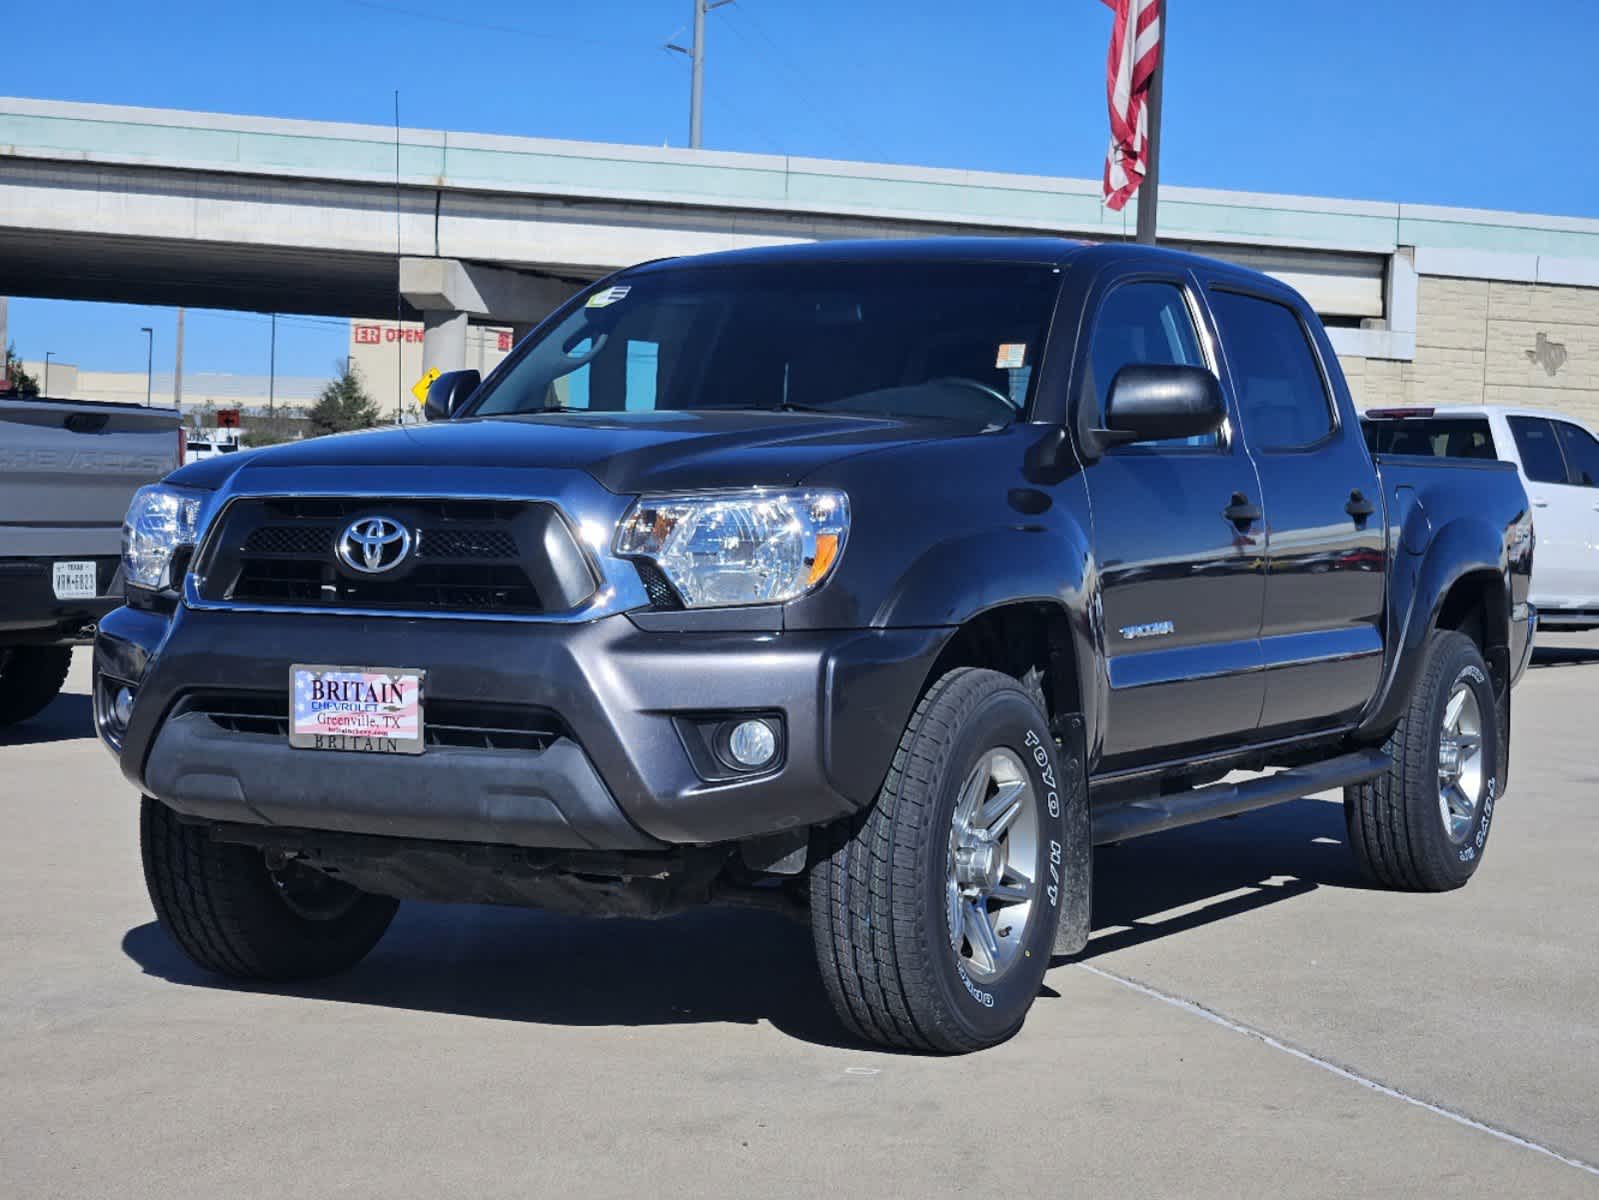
(1582, 453)
(1540, 453)
(1433, 437)
(1282, 398)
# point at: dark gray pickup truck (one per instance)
(874, 583)
(67, 472)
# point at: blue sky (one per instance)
(1461, 102)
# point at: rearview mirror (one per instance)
(1151, 403)
(448, 393)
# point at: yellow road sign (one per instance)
(419, 389)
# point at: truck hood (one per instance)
(624, 452)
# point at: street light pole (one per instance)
(272, 371)
(149, 361)
(48, 354)
(696, 55)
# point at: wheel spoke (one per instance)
(971, 794)
(1457, 702)
(1010, 893)
(999, 812)
(985, 946)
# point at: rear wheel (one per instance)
(1424, 824)
(234, 916)
(934, 914)
(31, 677)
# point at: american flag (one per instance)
(1134, 53)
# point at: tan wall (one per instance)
(389, 356)
(1477, 342)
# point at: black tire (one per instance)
(1395, 822)
(31, 677)
(229, 914)
(878, 901)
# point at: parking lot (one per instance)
(1249, 1019)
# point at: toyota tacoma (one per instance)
(875, 583)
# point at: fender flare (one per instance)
(1418, 586)
(959, 579)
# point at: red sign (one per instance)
(227, 418)
(372, 335)
(505, 341)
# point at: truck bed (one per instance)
(68, 469)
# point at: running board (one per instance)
(1156, 814)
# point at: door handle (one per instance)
(1359, 507)
(1241, 512)
(1539, 502)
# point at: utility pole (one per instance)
(177, 370)
(149, 361)
(48, 355)
(696, 54)
(272, 371)
(1149, 189)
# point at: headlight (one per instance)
(752, 547)
(160, 520)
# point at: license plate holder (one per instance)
(76, 579)
(364, 710)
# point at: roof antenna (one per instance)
(399, 298)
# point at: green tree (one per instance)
(16, 379)
(343, 404)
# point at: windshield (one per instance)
(957, 341)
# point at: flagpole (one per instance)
(1149, 190)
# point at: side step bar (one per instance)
(1156, 814)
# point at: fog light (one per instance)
(122, 706)
(752, 744)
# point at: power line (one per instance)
(804, 88)
(760, 129)
(540, 35)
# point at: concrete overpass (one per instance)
(168, 207)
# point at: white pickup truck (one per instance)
(1558, 459)
(67, 472)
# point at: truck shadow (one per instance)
(67, 717)
(734, 965)
(1170, 883)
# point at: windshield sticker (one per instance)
(608, 295)
(1011, 355)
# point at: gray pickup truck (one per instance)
(67, 472)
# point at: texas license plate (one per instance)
(369, 710)
(74, 580)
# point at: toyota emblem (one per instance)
(373, 545)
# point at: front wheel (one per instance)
(934, 913)
(234, 916)
(1423, 825)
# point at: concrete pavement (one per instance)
(1243, 999)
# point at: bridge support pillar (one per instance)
(450, 292)
(443, 339)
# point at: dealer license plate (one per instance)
(369, 710)
(74, 580)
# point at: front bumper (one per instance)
(622, 778)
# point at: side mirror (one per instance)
(448, 392)
(1150, 403)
